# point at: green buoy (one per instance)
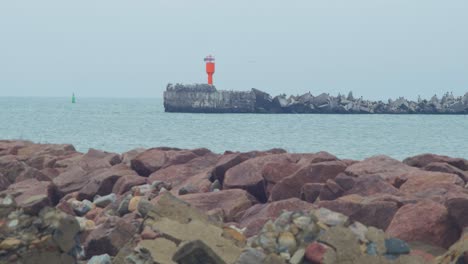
(73, 98)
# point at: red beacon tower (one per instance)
(210, 68)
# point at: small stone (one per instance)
(378, 237)
(274, 259)
(101, 259)
(359, 230)
(371, 249)
(330, 218)
(133, 204)
(144, 207)
(148, 233)
(82, 207)
(285, 255)
(298, 256)
(302, 222)
(287, 242)
(13, 223)
(103, 201)
(315, 252)
(163, 190)
(10, 243)
(215, 185)
(396, 246)
(123, 206)
(251, 256)
(267, 241)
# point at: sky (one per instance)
(379, 49)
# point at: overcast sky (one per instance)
(99, 48)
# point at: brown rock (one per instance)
(132, 154)
(228, 161)
(71, 180)
(370, 185)
(426, 221)
(311, 191)
(314, 173)
(365, 210)
(232, 202)
(32, 195)
(157, 158)
(97, 159)
(315, 252)
(248, 175)
(420, 180)
(310, 158)
(389, 169)
(445, 167)
(125, 183)
(109, 237)
(104, 180)
(457, 206)
(180, 175)
(330, 191)
(274, 172)
(425, 159)
(256, 216)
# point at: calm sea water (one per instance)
(122, 124)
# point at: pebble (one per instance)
(133, 204)
(330, 218)
(82, 207)
(123, 206)
(360, 231)
(13, 223)
(103, 201)
(144, 207)
(371, 249)
(298, 256)
(148, 233)
(101, 259)
(287, 242)
(215, 185)
(315, 252)
(302, 222)
(251, 256)
(267, 241)
(396, 246)
(10, 243)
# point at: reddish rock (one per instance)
(125, 183)
(65, 207)
(249, 175)
(157, 158)
(97, 159)
(128, 156)
(457, 206)
(32, 173)
(315, 252)
(148, 233)
(179, 175)
(311, 191)
(420, 180)
(445, 167)
(369, 185)
(33, 195)
(365, 210)
(389, 169)
(228, 161)
(330, 191)
(94, 213)
(11, 147)
(425, 159)
(313, 173)
(427, 222)
(4, 182)
(103, 182)
(232, 202)
(14, 170)
(256, 216)
(45, 149)
(310, 158)
(109, 237)
(71, 180)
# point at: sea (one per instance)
(119, 125)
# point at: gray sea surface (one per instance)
(118, 125)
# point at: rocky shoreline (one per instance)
(204, 98)
(167, 205)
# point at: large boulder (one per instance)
(457, 206)
(32, 195)
(447, 168)
(255, 217)
(103, 181)
(313, 173)
(97, 159)
(418, 181)
(248, 175)
(109, 237)
(366, 185)
(125, 183)
(388, 168)
(14, 170)
(72, 180)
(425, 221)
(426, 159)
(369, 211)
(232, 202)
(157, 158)
(178, 174)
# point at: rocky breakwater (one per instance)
(204, 98)
(168, 205)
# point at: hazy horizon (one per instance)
(378, 49)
